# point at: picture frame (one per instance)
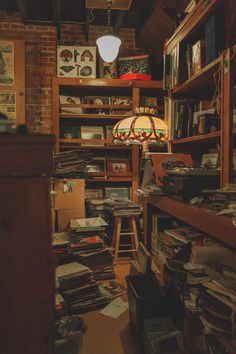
(210, 160)
(76, 61)
(93, 193)
(121, 100)
(119, 192)
(90, 133)
(97, 165)
(67, 102)
(69, 132)
(96, 100)
(118, 166)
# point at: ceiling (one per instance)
(153, 20)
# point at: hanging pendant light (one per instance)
(108, 44)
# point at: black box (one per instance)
(187, 187)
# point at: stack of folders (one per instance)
(78, 288)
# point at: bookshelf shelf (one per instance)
(202, 79)
(108, 180)
(193, 21)
(92, 116)
(85, 105)
(218, 227)
(197, 138)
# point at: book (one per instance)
(198, 56)
(112, 289)
(87, 223)
(185, 234)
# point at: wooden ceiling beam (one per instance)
(119, 21)
(56, 13)
(102, 4)
(86, 27)
(22, 7)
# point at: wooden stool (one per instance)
(117, 233)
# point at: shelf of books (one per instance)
(219, 227)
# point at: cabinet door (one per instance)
(26, 268)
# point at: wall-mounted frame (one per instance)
(12, 79)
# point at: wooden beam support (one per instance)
(56, 12)
(22, 7)
(86, 27)
(119, 21)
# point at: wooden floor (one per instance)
(106, 335)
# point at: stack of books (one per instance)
(123, 206)
(88, 248)
(78, 288)
(71, 163)
(60, 247)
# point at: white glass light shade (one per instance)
(108, 47)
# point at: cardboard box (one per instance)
(64, 217)
(69, 198)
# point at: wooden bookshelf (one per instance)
(193, 21)
(134, 89)
(218, 227)
(197, 138)
(199, 80)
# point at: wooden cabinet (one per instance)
(98, 104)
(26, 271)
(201, 78)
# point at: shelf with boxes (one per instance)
(84, 113)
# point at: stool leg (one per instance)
(134, 227)
(117, 243)
(113, 242)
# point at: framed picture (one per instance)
(96, 100)
(93, 193)
(76, 61)
(117, 192)
(210, 160)
(69, 132)
(98, 164)
(149, 101)
(91, 133)
(118, 166)
(67, 102)
(121, 100)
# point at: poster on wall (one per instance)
(6, 63)
(76, 61)
(8, 104)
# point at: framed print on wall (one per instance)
(76, 61)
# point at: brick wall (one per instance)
(40, 44)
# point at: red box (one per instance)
(135, 77)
